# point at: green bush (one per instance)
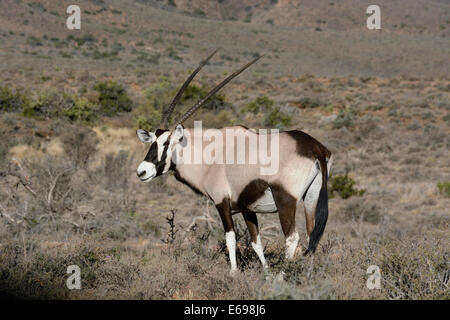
(53, 104)
(149, 114)
(148, 121)
(193, 93)
(273, 115)
(34, 42)
(199, 12)
(82, 110)
(83, 39)
(113, 98)
(344, 186)
(444, 188)
(260, 104)
(277, 118)
(47, 104)
(159, 94)
(110, 55)
(13, 100)
(307, 102)
(171, 52)
(221, 119)
(162, 89)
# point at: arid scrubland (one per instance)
(69, 195)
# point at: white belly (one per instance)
(265, 204)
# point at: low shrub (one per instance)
(413, 270)
(34, 42)
(171, 52)
(277, 118)
(199, 12)
(222, 119)
(193, 93)
(308, 102)
(344, 119)
(344, 186)
(148, 118)
(48, 103)
(360, 209)
(82, 110)
(149, 114)
(110, 55)
(79, 143)
(273, 115)
(13, 100)
(444, 188)
(260, 104)
(83, 39)
(112, 98)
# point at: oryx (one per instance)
(304, 165)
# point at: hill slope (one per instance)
(132, 34)
(401, 16)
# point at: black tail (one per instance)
(321, 215)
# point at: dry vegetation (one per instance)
(69, 105)
(70, 196)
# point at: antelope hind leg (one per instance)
(252, 225)
(286, 205)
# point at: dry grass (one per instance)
(411, 268)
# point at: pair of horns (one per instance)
(200, 103)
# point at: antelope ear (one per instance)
(178, 132)
(145, 136)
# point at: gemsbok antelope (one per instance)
(304, 165)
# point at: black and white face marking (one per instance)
(158, 159)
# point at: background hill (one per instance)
(305, 37)
(404, 16)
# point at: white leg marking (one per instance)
(291, 245)
(231, 245)
(259, 251)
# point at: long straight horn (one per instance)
(194, 108)
(177, 97)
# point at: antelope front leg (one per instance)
(224, 209)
